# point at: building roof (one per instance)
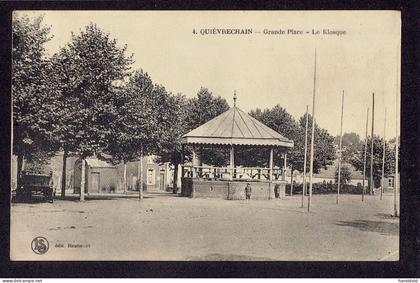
(235, 127)
(94, 162)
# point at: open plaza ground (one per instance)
(164, 226)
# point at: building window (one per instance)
(391, 182)
(150, 159)
(151, 176)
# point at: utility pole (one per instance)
(364, 159)
(311, 162)
(371, 146)
(396, 185)
(340, 147)
(304, 160)
(383, 159)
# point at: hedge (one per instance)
(326, 188)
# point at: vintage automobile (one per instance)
(35, 186)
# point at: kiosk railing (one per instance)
(228, 173)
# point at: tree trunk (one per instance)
(291, 182)
(141, 174)
(82, 180)
(125, 177)
(175, 181)
(20, 168)
(63, 175)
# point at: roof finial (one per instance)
(234, 98)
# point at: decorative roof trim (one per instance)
(237, 141)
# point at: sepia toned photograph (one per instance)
(205, 136)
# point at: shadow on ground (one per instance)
(384, 228)
(386, 216)
(227, 257)
(76, 198)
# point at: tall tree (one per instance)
(200, 110)
(351, 145)
(89, 70)
(32, 130)
(282, 122)
(345, 174)
(182, 116)
(324, 150)
(134, 129)
(357, 159)
(204, 107)
(174, 123)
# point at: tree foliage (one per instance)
(345, 174)
(85, 80)
(282, 122)
(358, 158)
(200, 110)
(351, 145)
(32, 105)
(203, 108)
(135, 126)
(89, 70)
(324, 150)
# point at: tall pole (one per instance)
(304, 159)
(340, 147)
(383, 160)
(371, 145)
(396, 185)
(270, 164)
(311, 162)
(364, 159)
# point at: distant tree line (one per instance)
(353, 149)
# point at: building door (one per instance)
(151, 180)
(94, 186)
(162, 182)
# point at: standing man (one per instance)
(248, 191)
(277, 191)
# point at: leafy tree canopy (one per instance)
(358, 158)
(345, 174)
(30, 93)
(89, 72)
(324, 150)
(282, 122)
(200, 110)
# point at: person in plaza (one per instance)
(248, 191)
(277, 191)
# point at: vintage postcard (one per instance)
(188, 135)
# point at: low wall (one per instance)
(232, 190)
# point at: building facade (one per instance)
(102, 177)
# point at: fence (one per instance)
(228, 173)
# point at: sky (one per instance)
(264, 69)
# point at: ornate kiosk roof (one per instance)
(235, 127)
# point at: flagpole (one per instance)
(364, 159)
(311, 162)
(396, 185)
(304, 159)
(383, 159)
(340, 147)
(371, 146)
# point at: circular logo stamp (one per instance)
(40, 245)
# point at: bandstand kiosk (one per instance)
(232, 130)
